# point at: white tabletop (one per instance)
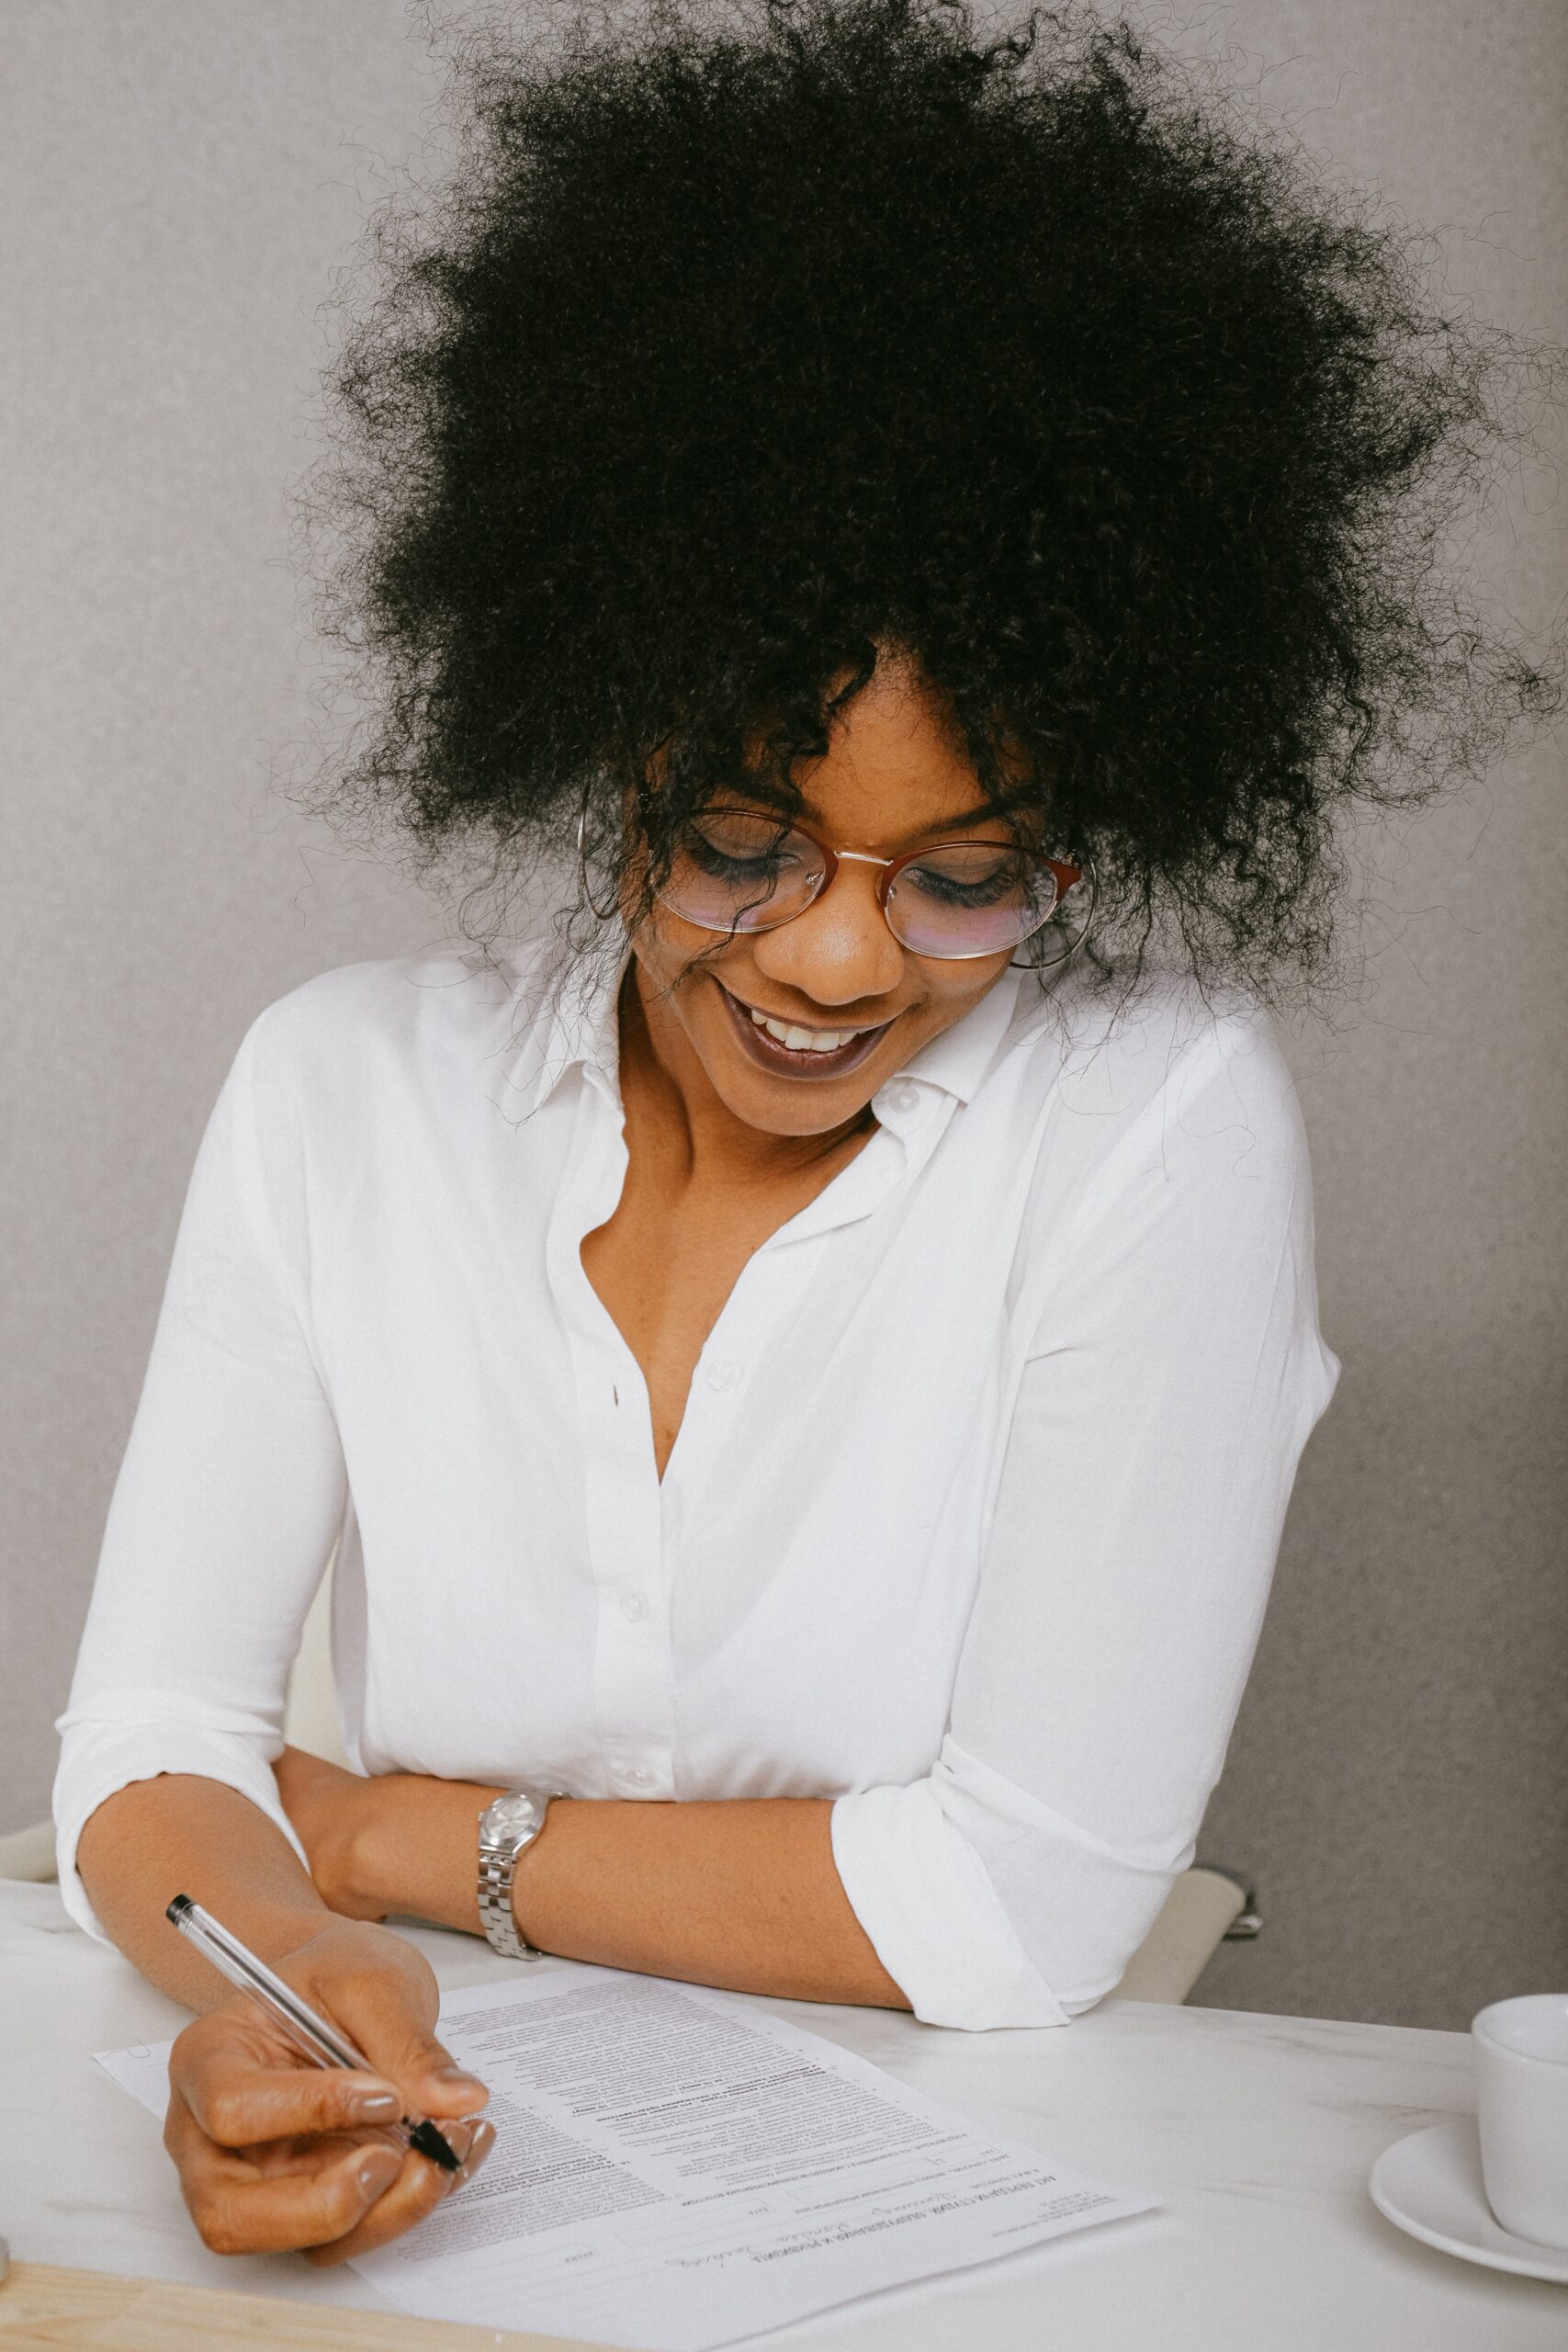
(1257, 2132)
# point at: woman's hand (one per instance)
(328, 1808)
(275, 2153)
(397, 1843)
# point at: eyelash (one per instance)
(755, 869)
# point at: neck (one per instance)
(669, 1095)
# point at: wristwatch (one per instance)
(507, 1825)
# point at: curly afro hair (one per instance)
(742, 348)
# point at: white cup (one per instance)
(1521, 2099)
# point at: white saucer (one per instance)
(1430, 2185)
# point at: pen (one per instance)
(320, 2042)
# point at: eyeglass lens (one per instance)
(733, 870)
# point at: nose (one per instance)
(839, 951)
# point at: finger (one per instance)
(190, 2147)
(238, 2209)
(375, 2011)
(238, 2103)
(420, 2190)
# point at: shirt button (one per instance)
(640, 1777)
(724, 1374)
(631, 1604)
(904, 1098)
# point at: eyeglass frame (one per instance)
(1059, 868)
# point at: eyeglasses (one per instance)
(736, 870)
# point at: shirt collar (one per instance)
(578, 1026)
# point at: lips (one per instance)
(788, 1061)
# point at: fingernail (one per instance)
(482, 2143)
(372, 2106)
(459, 2080)
(379, 2171)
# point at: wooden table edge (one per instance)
(50, 2308)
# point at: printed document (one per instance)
(676, 2169)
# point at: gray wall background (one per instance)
(181, 184)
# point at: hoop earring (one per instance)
(605, 913)
(1060, 963)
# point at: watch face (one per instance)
(508, 1817)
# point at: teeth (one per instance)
(811, 1041)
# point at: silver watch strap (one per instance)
(511, 1833)
(495, 1904)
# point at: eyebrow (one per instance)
(764, 788)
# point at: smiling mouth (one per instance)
(799, 1060)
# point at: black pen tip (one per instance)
(429, 2141)
(178, 1908)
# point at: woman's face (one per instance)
(892, 780)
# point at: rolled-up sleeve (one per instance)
(229, 1494)
(1173, 1373)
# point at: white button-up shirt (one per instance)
(969, 1524)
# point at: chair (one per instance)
(1206, 1907)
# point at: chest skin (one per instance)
(666, 1260)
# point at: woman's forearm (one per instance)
(180, 1834)
(741, 1894)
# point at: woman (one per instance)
(806, 1384)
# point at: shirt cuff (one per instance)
(933, 1918)
(97, 1761)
